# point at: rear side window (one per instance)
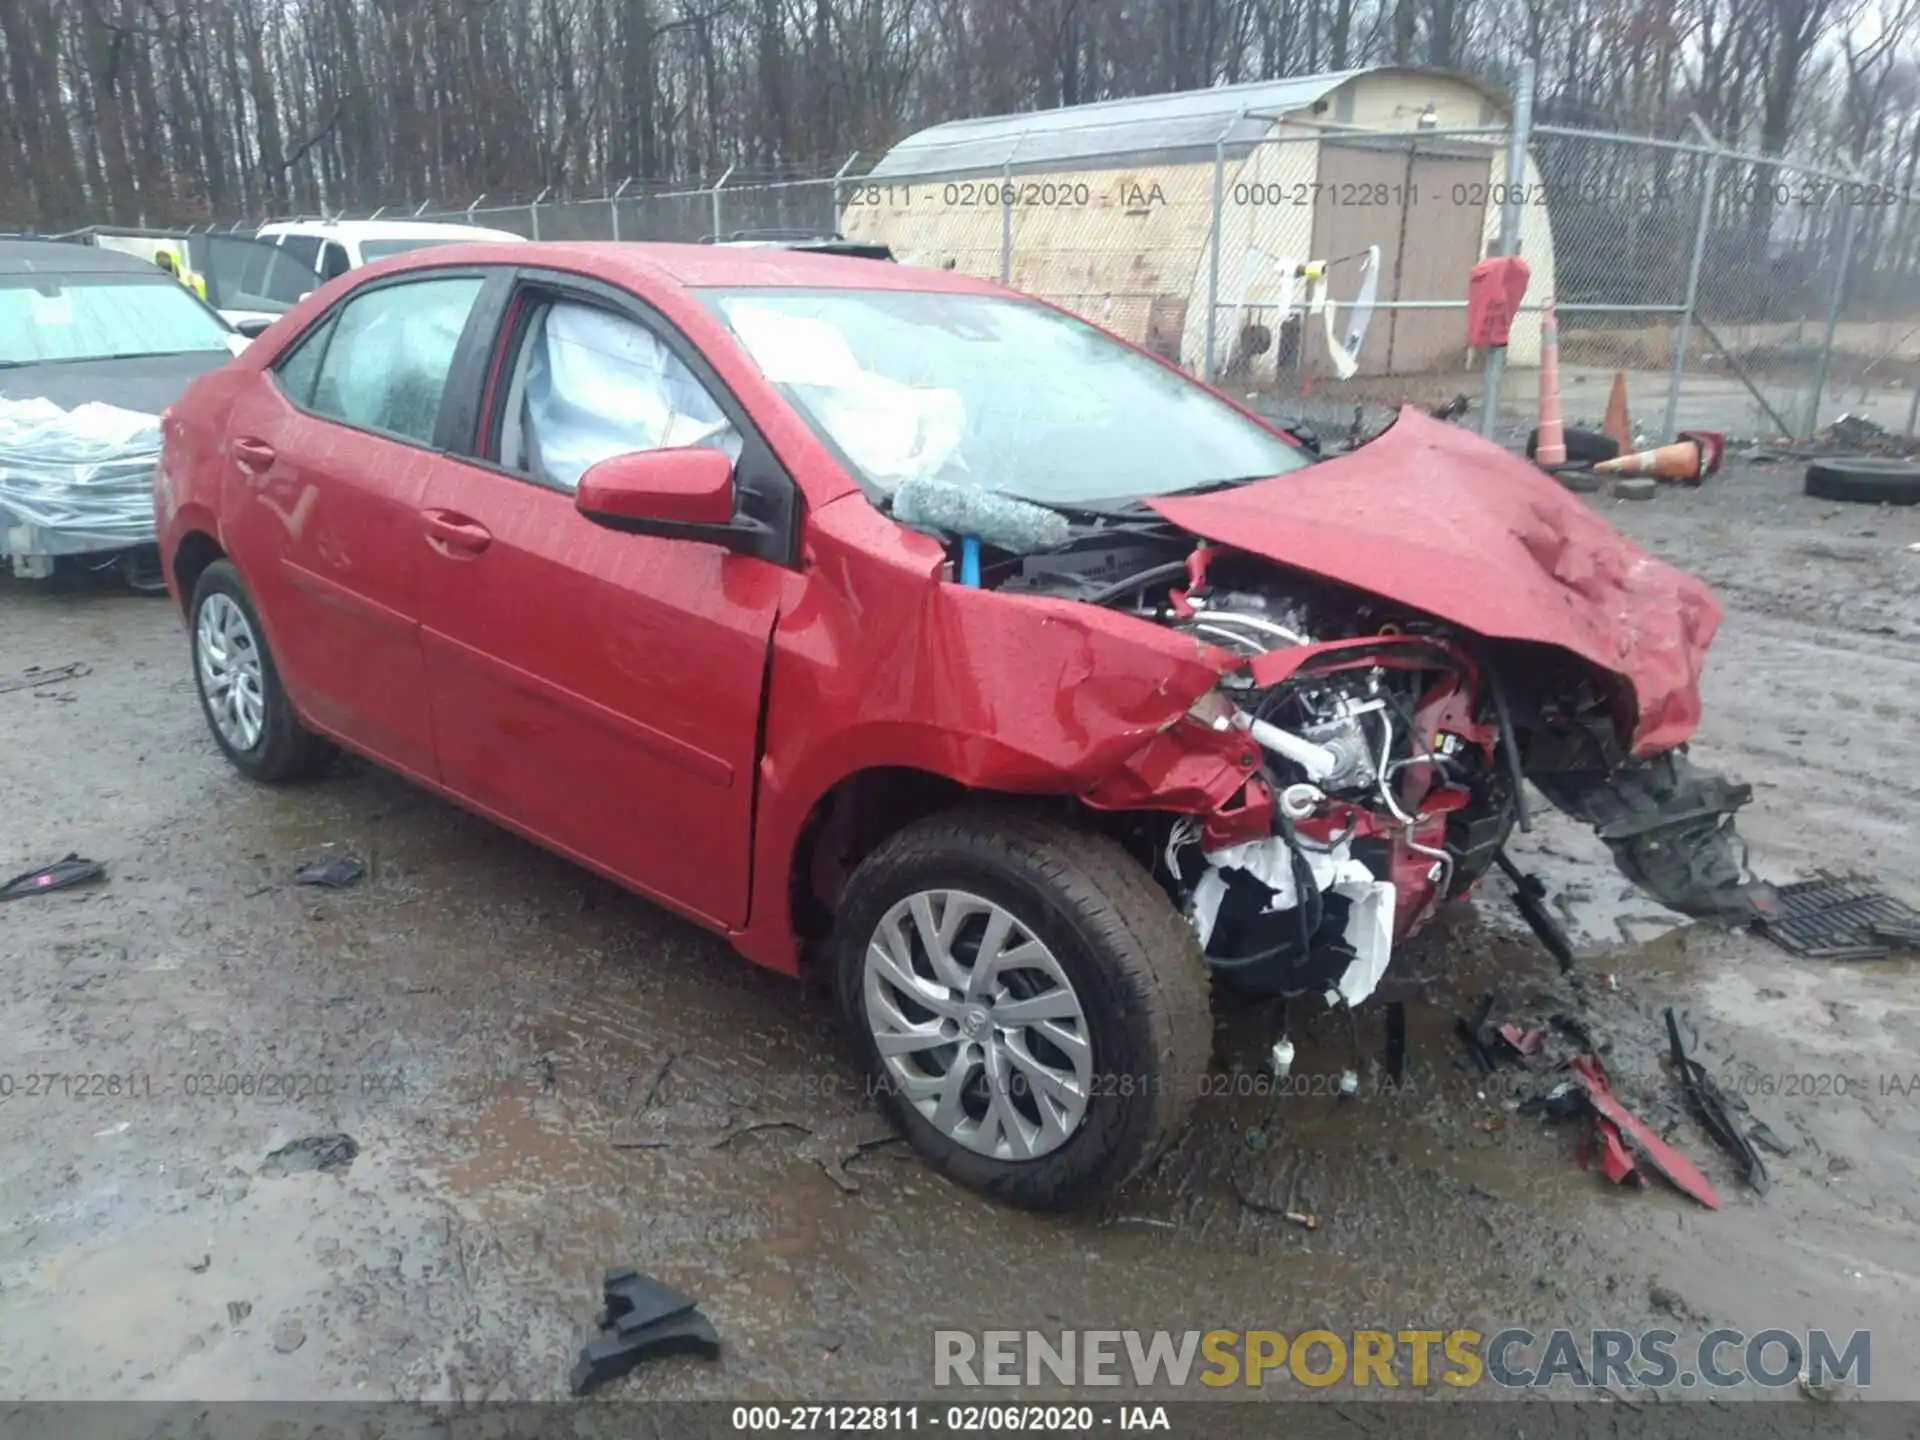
(304, 248)
(385, 365)
(299, 368)
(333, 261)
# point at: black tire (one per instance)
(1584, 447)
(1580, 482)
(1134, 964)
(286, 749)
(141, 572)
(1865, 480)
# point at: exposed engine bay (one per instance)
(1394, 751)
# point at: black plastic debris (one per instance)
(340, 873)
(1670, 826)
(642, 1320)
(634, 1300)
(1834, 919)
(1566, 1101)
(325, 1153)
(1474, 1033)
(62, 874)
(1530, 899)
(1578, 1031)
(1715, 1110)
(1394, 1056)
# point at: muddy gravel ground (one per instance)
(542, 1076)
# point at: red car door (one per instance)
(600, 691)
(334, 448)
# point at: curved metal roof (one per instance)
(1180, 126)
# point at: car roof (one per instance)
(61, 257)
(383, 229)
(697, 267)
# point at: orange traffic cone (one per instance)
(1713, 448)
(1551, 449)
(1678, 461)
(1617, 424)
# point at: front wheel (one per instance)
(246, 706)
(1024, 1001)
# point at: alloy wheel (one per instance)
(978, 1025)
(230, 671)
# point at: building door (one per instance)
(1425, 207)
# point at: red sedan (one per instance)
(884, 616)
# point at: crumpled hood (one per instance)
(1435, 518)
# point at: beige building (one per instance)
(1109, 210)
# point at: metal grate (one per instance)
(1834, 919)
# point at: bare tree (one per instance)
(173, 110)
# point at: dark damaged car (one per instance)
(880, 616)
(93, 346)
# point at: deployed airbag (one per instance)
(599, 385)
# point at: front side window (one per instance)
(333, 261)
(999, 393)
(386, 365)
(49, 319)
(589, 384)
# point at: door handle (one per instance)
(454, 535)
(251, 454)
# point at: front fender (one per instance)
(885, 663)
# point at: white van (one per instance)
(333, 247)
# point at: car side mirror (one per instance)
(684, 493)
(253, 326)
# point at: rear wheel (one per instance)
(240, 691)
(1025, 1003)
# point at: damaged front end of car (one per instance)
(1379, 788)
(1392, 767)
(1387, 745)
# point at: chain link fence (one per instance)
(728, 209)
(1322, 271)
(1735, 291)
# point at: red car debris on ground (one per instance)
(600, 541)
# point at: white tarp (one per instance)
(75, 480)
(1346, 354)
